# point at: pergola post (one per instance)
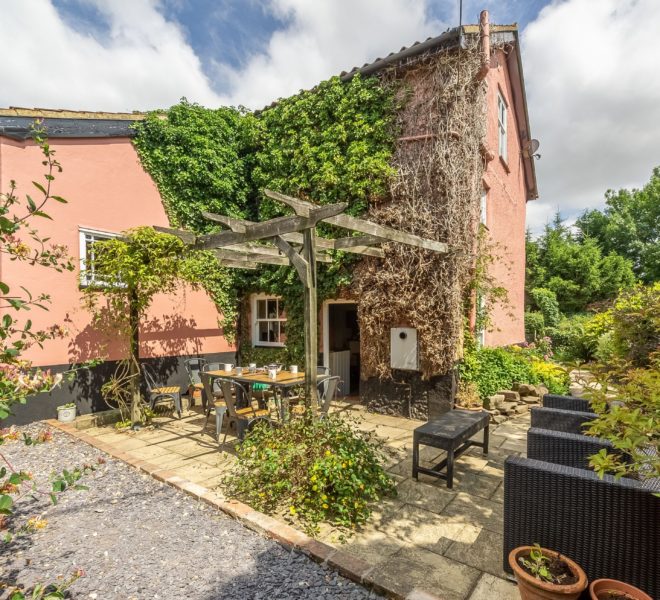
(311, 316)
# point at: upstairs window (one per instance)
(268, 321)
(89, 243)
(501, 125)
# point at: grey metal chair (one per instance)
(326, 394)
(158, 394)
(194, 367)
(212, 403)
(242, 418)
(321, 370)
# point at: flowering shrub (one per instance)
(313, 470)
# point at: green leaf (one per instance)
(59, 199)
(6, 503)
(40, 187)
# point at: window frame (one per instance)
(256, 342)
(502, 130)
(84, 276)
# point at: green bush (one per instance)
(534, 325)
(494, 369)
(313, 469)
(546, 302)
(636, 324)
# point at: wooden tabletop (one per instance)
(284, 378)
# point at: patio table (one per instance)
(284, 381)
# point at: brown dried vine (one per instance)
(436, 195)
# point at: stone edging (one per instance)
(351, 567)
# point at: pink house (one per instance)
(108, 192)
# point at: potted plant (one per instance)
(611, 589)
(66, 413)
(545, 574)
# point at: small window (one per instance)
(501, 125)
(268, 321)
(89, 242)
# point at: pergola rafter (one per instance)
(292, 240)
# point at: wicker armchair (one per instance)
(569, 421)
(566, 403)
(610, 527)
(561, 448)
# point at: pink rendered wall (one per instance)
(107, 190)
(506, 206)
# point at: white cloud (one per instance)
(591, 70)
(323, 39)
(143, 63)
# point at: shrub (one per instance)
(313, 469)
(632, 425)
(568, 338)
(546, 302)
(636, 324)
(534, 325)
(494, 369)
(551, 375)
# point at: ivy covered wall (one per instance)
(331, 144)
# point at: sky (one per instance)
(591, 67)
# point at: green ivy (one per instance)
(331, 144)
(199, 159)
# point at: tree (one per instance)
(129, 272)
(629, 226)
(573, 267)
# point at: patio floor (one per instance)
(447, 542)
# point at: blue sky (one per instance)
(590, 67)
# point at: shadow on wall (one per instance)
(174, 336)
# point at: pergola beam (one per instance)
(303, 208)
(358, 241)
(240, 226)
(270, 228)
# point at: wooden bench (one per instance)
(451, 432)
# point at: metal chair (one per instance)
(213, 403)
(242, 418)
(194, 366)
(215, 392)
(326, 393)
(161, 393)
(321, 370)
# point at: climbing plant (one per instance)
(128, 273)
(333, 143)
(199, 158)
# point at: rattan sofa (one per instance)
(569, 421)
(566, 403)
(610, 527)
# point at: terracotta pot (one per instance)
(531, 588)
(599, 588)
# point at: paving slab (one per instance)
(481, 553)
(427, 571)
(466, 508)
(494, 588)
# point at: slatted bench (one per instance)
(451, 432)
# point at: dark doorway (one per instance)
(344, 346)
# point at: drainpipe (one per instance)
(484, 31)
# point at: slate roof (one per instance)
(15, 123)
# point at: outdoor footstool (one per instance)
(451, 432)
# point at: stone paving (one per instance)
(447, 542)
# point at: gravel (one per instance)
(137, 538)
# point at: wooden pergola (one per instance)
(292, 240)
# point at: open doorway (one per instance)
(341, 344)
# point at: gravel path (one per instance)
(137, 538)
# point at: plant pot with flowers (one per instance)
(66, 413)
(611, 589)
(546, 575)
